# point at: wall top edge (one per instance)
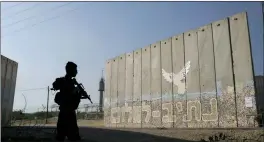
(240, 14)
(146, 47)
(220, 22)
(9, 60)
(191, 31)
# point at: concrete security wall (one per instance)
(8, 84)
(199, 79)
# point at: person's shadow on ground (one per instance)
(89, 134)
(111, 135)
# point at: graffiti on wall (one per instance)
(193, 107)
(135, 115)
(207, 89)
(179, 78)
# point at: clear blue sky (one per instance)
(99, 31)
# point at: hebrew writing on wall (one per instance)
(202, 78)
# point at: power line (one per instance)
(34, 16)
(43, 21)
(19, 12)
(33, 89)
(9, 7)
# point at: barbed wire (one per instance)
(34, 124)
(36, 127)
(29, 129)
(25, 99)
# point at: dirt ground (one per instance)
(92, 134)
(94, 131)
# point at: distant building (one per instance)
(8, 85)
(101, 90)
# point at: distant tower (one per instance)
(101, 90)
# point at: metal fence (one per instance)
(31, 121)
(45, 111)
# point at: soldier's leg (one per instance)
(73, 130)
(60, 136)
(75, 126)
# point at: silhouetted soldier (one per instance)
(68, 101)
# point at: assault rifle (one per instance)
(82, 91)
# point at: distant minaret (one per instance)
(101, 90)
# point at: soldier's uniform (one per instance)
(67, 122)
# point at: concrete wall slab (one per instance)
(179, 81)
(146, 94)
(114, 85)
(8, 84)
(243, 68)
(166, 86)
(137, 89)
(121, 89)
(224, 75)
(192, 80)
(129, 90)
(156, 84)
(207, 77)
(107, 95)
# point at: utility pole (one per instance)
(47, 113)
